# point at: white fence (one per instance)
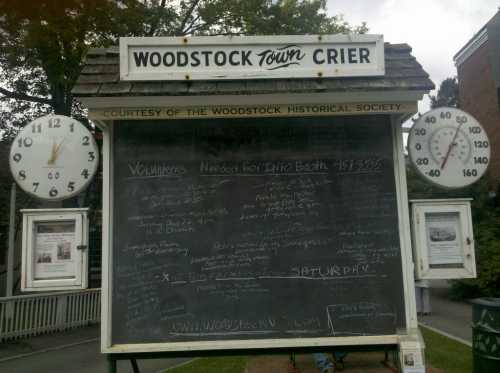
(28, 315)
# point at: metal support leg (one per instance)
(292, 367)
(111, 365)
(135, 367)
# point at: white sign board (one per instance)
(54, 249)
(251, 57)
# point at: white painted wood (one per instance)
(459, 206)
(255, 344)
(247, 99)
(39, 313)
(107, 226)
(33, 216)
(165, 65)
(406, 258)
(404, 225)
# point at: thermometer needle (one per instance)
(452, 144)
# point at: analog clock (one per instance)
(449, 147)
(54, 157)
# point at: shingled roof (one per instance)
(100, 77)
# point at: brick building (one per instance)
(478, 67)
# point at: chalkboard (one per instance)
(254, 228)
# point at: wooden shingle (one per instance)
(100, 77)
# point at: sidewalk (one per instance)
(74, 351)
(48, 342)
(449, 317)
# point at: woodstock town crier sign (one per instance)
(251, 57)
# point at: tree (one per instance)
(42, 47)
(447, 94)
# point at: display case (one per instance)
(443, 242)
(54, 249)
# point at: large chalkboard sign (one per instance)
(251, 229)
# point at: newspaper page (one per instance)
(444, 239)
(54, 250)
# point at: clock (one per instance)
(54, 157)
(449, 148)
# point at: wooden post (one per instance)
(12, 233)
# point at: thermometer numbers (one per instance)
(449, 147)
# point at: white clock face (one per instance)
(54, 157)
(449, 147)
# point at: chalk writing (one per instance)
(245, 230)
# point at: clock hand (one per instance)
(53, 153)
(452, 144)
(58, 149)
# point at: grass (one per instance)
(233, 364)
(445, 353)
(440, 352)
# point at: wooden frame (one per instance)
(77, 250)
(406, 257)
(458, 259)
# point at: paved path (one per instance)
(76, 351)
(447, 316)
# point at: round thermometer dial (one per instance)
(54, 157)
(449, 147)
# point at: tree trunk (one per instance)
(61, 100)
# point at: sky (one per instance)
(435, 29)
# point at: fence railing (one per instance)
(28, 315)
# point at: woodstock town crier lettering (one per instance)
(269, 59)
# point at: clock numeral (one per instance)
(445, 115)
(422, 161)
(72, 127)
(418, 146)
(53, 175)
(53, 192)
(36, 128)
(481, 144)
(54, 123)
(86, 140)
(35, 186)
(469, 173)
(480, 160)
(27, 142)
(22, 175)
(71, 186)
(17, 157)
(91, 156)
(434, 173)
(420, 131)
(474, 129)
(85, 173)
(430, 119)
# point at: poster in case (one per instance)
(444, 240)
(54, 246)
(54, 252)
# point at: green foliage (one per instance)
(486, 220)
(446, 354)
(42, 47)
(447, 94)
